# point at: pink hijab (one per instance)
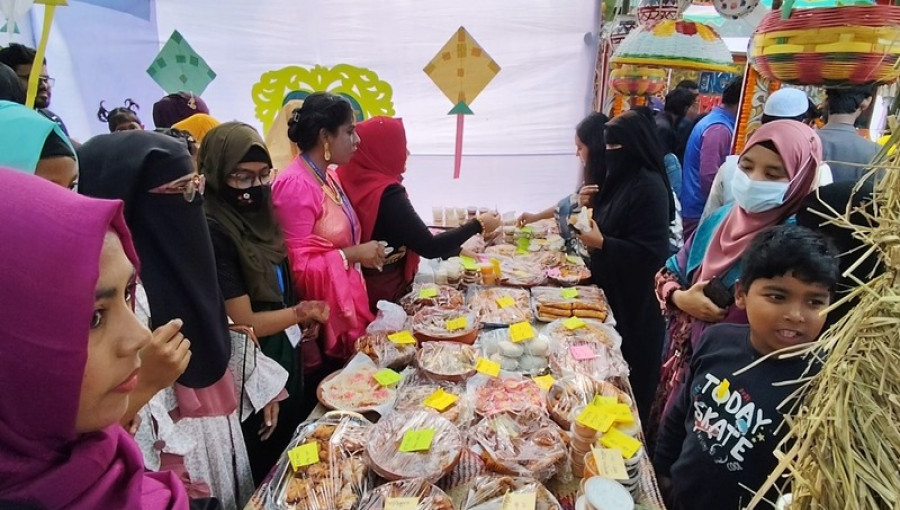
(801, 150)
(49, 259)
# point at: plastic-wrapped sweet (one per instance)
(592, 331)
(522, 443)
(490, 305)
(414, 390)
(431, 295)
(384, 352)
(506, 393)
(589, 358)
(590, 303)
(447, 361)
(439, 324)
(528, 357)
(385, 438)
(430, 497)
(338, 479)
(491, 492)
(519, 271)
(569, 395)
(354, 388)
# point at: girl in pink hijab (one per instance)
(69, 354)
(778, 169)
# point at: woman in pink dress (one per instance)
(321, 229)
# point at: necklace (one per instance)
(327, 186)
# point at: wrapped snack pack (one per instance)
(588, 330)
(354, 388)
(591, 351)
(386, 353)
(330, 472)
(431, 295)
(429, 496)
(521, 272)
(447, 361)
(528, 357)
(501, 306)
(586, 302)
(570, 394)
(509, 392)
(459, 325)
(416, 444)
(493, 492)
(521, 443)
(418, 393)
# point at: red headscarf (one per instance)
(801, 151)
(378, 162)
(50, 261)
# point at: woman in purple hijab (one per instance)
(174, 108)
(69, 354)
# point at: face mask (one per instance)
(757, 196)
(247, 200)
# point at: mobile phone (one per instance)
(718, 293)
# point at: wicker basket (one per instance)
(829, 46)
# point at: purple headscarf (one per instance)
(176, 107)
(50, 261)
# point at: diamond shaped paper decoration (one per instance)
(178, 67)
(462, 69)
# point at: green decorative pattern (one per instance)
(178, 67)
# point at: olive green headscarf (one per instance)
(256, 235)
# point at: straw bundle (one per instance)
(842, 449)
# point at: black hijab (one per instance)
(178, 267)
(10, 86)
(635, 131)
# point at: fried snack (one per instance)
(445, 297)
(551, 304)
(432, 323)
(385, 353)
(592, 358)
(522, 443)
(412, 394)
(430, 497)
(486, 302)
(593, 331)
(518, 271)
(383, 447)
(447, 361)
(490, 492)
(570, 394)
(498, 395)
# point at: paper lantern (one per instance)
(637, 81)
(623, 26)
(676, 44)
(651, 12)
(735, 9)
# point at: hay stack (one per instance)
(842, 449)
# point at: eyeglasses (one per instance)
(243, 179)
(188, 189)
(46, 80)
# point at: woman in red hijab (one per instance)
(69, 355)
(372, 181)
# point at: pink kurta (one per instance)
(315, 228)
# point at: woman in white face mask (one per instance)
(777, 169)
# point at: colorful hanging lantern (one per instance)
(623, 26)
(676, 44)
(651, 12)
(637, 80)
(735, 9)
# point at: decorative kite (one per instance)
(178, 67)
(461, 69)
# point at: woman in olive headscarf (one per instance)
(253, 272)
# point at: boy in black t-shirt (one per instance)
(720, 435)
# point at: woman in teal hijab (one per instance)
(35, 144)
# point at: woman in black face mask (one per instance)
(253, 272)
(630, 239)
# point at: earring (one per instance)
(327, 152)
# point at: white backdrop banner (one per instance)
(247, 59)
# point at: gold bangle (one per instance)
(480, 222)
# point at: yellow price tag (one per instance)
(417, 440)
(428, 292)
(440, 400)
(545, 381)
(521, 331)
(457, 324)
(519, 501)
(602, 401)
(401, 503)
(610, 463)
(387, 377)
(506, 302)
(621, 413)
(595, 418)
(304, 455)
(573, 323)
(402, 337)
(572, 259)
(626, 445)
(488, 367)
(468, 263)
(570, 293)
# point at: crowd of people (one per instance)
(177, 296)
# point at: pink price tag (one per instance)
(554, 272)
(582, 352)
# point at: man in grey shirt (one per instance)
(840, 142)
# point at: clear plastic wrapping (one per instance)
(569, 395)
(339, 478)
(491, 492)
(520, 271)
(522, 443)
(447, 361)
(588, 351)
(493, 309)
(551, 304)
(425, 295)
(385, 439)
(438, 324)
(528, 357)
(593, 331)
(509, 392)
(385, 353)
(354, 388)
(417, 388)
(430, 497)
